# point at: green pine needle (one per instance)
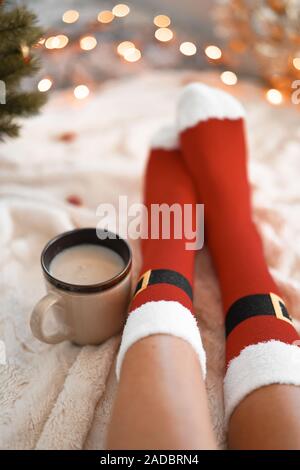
(23, 104)
(8, 128)
(18, 26)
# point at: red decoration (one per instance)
(67, 137)
(75, 200)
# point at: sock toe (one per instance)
(166, 138)
(199, 102)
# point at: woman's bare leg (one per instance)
(161, 401)
(269, 418)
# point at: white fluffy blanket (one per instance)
(60, 397)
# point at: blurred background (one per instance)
(90, 41)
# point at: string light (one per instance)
(188, 48)
(45, 84)
(274, 96)
(296, 63)
(52, 42)
(213, 52)
(62, 41)
(164, 34)
(57, 42)
(70, 16)
(132, 55)
(162, 21)
(229, 78)
(121, 10)
(105, 16)
(81, 92)
(88, 43)
(125, 46)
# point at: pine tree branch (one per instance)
(13, 68)
(18, 26)
(8, 128)
(23, 104)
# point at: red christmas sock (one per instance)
(162, 302)
(259, 331)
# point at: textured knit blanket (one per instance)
(60, 397)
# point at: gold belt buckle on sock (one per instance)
(164, 276)
(277, 303)
(256, 305)
(145, 281)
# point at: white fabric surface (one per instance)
(258, 365)
(60, 397)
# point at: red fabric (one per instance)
(166, 181)
(215, 153)
(258, 329)
(157, 292)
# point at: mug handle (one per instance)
(37, 318)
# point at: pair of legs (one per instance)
(165, 406)
(161, 401)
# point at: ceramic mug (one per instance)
(87, 314)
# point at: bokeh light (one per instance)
(52, 42)
(296, 63)
(81, 92)
(105, 16)
(45, 84)
(121, 10)
(70, 16)
(188, 48)
(132, 55)
(125, 46)
(162, 21)
(62, 41)
(87, 43)
(229, 78)
(274, 96)
(213, 52)
(164, 34)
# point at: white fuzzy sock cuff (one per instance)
(258, 365)
(166, 138)
(199, 102)
(162, 317)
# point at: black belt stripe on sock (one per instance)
(165, 276)
(255, 305)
